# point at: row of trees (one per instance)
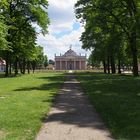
(17, 34)
(112, 32)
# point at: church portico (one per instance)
(70, 61)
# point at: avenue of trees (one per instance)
(112, 32)
(18, 35)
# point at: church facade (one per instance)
(70, 61)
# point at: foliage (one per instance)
(3, 34)
(17, 30)
(109, 26)
(45, 62)
(51, 62)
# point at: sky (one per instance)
(64, 29)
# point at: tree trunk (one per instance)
(119, 66)
(132, 37)
(16, 66)
(108, 64)
(10, 67)
(28, 67)
(134, 53)
(33, 66)
(20, 66)
(113, 69)
(104, 64)
(24, 66)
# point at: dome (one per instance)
(70, 52)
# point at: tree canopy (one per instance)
(111, 30)
(17, 34)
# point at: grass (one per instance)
(117, 99)
(24, 102)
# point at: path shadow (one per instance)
(117, 97)
(73, 108)
(41, 87)
(55, 83)
(53, 78)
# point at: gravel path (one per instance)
(72, 117)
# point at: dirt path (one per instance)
(72, 117)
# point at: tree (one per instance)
(45, 61)
(19, 16)
(51, 62)
(3, 28)
(38, 59)
(119, 15)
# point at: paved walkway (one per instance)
(72, 117)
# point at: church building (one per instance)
(70, 61)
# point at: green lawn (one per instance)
(24, 102)
(117, 99)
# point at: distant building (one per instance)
(70, 61)
(2, 65)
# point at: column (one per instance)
(74, 65)
(60, 65)
(80, 65)
(57, 65)
(66, 67)
(85, 65)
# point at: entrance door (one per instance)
(70, 65)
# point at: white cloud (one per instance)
(61, 13)
(62, 16)
(54, 45)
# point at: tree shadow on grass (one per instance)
(117, 99)
(55, 83)
(56, 78)
(49, 86)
